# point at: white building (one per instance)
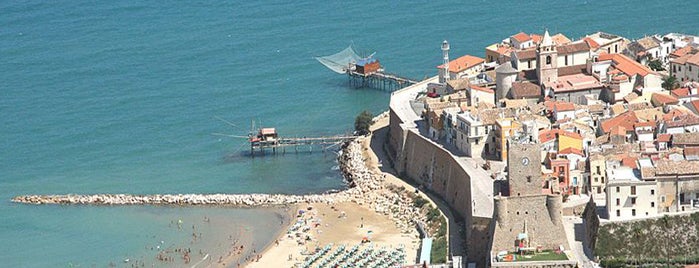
(629, 197)
(686, 67)
(472, 135)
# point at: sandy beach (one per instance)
(346, 223)
(335, 228)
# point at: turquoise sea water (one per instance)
(120, 97)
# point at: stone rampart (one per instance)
(429, 164)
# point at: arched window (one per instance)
(548, 60)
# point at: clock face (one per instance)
(525, 161)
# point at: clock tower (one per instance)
(524, 168)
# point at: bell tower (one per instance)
(546, 61)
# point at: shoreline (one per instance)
(287, 214)
(370, 193)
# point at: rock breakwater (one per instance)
(366, 187)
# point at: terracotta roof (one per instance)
(690, 57)
(521, 37)
(691, 151)
(670, 167)
(547, 135)
(550, 105)
(694, 59)
(525, 89)
(563, 106)
(664, 137)
(681, 51)
(663, 99)
(625, 120)
(695, 105)
(629, 162)
(526, 54)
(536, 38)
(680, 92)
(685, 139)
(591, 42)
(644, 124)
(689, 120)
(672, 114)
(571, 70)
(571, 150)
(573, 48)
(618, 131)
(681, 59)
(560, 39)
(463, 63)
(483, 89)
(626, 65)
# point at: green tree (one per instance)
(363, 122)
(670, 82)
(656, 65)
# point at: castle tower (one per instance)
(505, 75)
(524, 168)
(445, 71)
(546, 61)
(500, 210)
(554, 205)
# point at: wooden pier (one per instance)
(378, 80)
(267, 139)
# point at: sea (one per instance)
(125, 97)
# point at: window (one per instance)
(477, 139)
(602, 179)
(652, 204)
(662, 198)
(633, 212)
(618, 202)
(596, 179)
(548, 60)
(618, 213)
(529, 64)
(652, 191)
(598, 172)
(566, 60)
(633, 200)
(633, 190)
(617, 189)
(616, 48)
(529, 179)
(599, 190)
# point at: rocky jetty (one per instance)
(365, 187)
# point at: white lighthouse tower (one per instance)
(444, 75)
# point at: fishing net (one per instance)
(339, 62)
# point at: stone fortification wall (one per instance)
(540, 213)
(427, 163)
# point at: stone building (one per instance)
(526, 212)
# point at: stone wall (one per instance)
(419, 159)
(540, 213)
